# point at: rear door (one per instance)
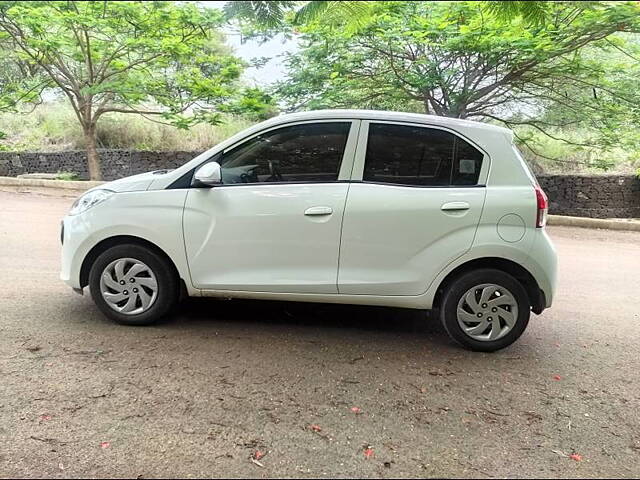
(413, 206)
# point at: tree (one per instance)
(450, 58)
(159, 59)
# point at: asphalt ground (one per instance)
(201, 394)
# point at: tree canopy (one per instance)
(454, 59)
(275, 14)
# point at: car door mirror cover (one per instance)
(208, 175)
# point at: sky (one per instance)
(271, 72)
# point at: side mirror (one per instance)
(208, 175)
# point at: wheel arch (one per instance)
(521, 274)
(109, 242)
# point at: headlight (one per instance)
(89, 199)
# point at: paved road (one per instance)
(197, 396)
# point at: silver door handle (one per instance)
(318, 211)
(455, 206)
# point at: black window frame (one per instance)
(220, 155)
(486, 159)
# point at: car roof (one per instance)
(386, 115)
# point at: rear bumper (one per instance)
(542, 263)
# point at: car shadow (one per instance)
(417, 327)
(201, 311)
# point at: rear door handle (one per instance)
(455, 206)
(318, 211)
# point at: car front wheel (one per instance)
(133, 285)
(485, 310)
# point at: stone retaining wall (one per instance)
(115, 163)
(596, 196)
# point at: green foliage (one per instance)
(267, 14)
(255, 104)
(544, 154)
(272, 16)
(348, 15)
(18, 84)
(532, 12)
(67, 176)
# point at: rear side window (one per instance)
(407, 155)
(310, 152)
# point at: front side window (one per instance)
(309, 152)
(420, 156)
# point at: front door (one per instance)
(274, 223)
(415, 209)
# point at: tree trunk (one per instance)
(93, 160)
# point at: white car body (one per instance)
(367, 243)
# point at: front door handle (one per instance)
(455, 206)
(311, 211)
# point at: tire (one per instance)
(154, 285)
(470, 297)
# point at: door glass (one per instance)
(309, 152)
(420, 156)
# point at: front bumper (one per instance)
(74, 236)
(79, 291)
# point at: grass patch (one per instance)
(53, 127)
(67, 176)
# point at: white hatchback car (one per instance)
(342, 206)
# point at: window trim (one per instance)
(361, 153)
(387, 184)
(346, 163)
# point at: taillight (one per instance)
(543, 207)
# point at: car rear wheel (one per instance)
(485, 310)
(133, 285)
